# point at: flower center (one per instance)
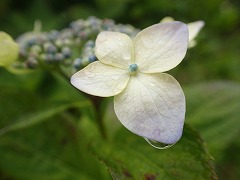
(133, 69)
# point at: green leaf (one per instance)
(21, 107)
(52, 150)
(40, 116)
(128, 156)
(27, 81)
(213, 109)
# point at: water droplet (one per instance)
(151, 84)
(158, 145)
(126, 55)
(89, 74)
(115, 77)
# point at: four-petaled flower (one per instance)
(147, 101)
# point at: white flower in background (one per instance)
(147, 101)
(193, 28)
(8, 49)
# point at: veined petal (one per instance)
(115, 49)
(152, 106)
(161, 47)
(99, 79)
(194, 28)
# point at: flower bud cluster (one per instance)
(71, 48)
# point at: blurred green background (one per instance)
(214, 62)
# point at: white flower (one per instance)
(193, 28)
(147, 101)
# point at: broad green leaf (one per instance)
(21, 108)
(40, 116)
(213, 109)
(52, 150)
(30, 99)
(16, 102)
(229, 164)
(128, 156)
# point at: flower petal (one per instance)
(152, 106)
(8, 49)
(115, 49)
(161, 47)
(99, 79)
(194, 28)
(167, 19)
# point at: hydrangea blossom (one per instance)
(193, 28)
(61, 47)
(147, 101)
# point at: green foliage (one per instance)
(54, 154)
(67, 148)
(129, 157)
(50, 150)
(213, 109)
(64, 146)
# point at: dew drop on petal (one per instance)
(158, 145)
(89, 74)
(151, 84)
(126, 55)
(115, 77)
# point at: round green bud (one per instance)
(133, 69)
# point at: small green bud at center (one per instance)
(133, 69)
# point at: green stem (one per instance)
(97, 102)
